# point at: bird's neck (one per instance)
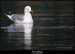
(27, 13)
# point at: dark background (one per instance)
(62, 13)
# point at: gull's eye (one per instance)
(27, 9)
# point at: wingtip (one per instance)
(5, 14)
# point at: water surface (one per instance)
(46, 33)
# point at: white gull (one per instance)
(26, 18)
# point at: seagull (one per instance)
(26, 18)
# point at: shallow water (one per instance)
(46, 33)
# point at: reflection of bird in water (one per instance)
(25, 29)
(28, 34)
(26, 18)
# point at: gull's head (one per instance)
(27, 9)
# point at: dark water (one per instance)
(52, 28)
(46, 33)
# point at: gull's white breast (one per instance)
(28, 18)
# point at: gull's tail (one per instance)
(10, 17)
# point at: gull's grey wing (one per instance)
(17, 17)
